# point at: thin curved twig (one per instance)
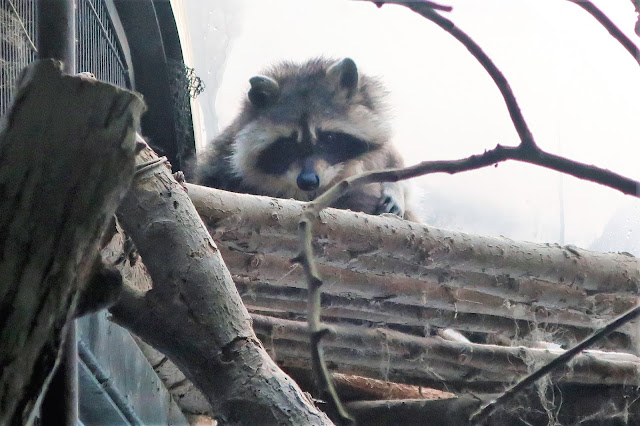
(481, 416)
(526, 138)
(608, 24)
(526, 151)
(498, 154)
(636, 4)
(317, 331)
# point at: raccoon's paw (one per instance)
(388, 204)
(392, 199)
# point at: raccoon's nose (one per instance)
(308, 181)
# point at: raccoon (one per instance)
(303, 128)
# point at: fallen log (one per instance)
(386, 259)
(376, 352)
(389, 355)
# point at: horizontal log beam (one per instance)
(379, 350)
(382, 258)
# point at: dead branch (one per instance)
(66, 161)
(572, 354)
(409, 358)
(193, 313)
(191, 400)
(526, 151)
(385, 269)
(610, 27)
(526, 138)
(636, 4)
(326, 388)
(368, 388)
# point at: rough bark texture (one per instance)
(379, 352)
(386, 269)
(66, 160)
(194, 314)
(384, 353)
(368, 388)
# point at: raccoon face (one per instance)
(311, 126)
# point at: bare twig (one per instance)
(426, 3)
(485, 412)
(611, 27)
(498, 154)
(519, 122)
(526, 151)
(319, 367)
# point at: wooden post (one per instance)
(66, 160)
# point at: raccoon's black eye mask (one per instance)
(336, 147)
(333, 147)
(279, 156)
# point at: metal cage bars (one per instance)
(98, 49)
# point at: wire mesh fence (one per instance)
(98, 49)
(18, 35)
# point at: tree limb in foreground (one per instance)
(409, 273)
(193, 313)
(66, 161)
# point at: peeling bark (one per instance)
(66, 160)
(368, 388)
(379, 352)
(445, 274)
(194, 314)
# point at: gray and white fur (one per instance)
(303, 128)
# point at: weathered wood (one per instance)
(387, 259)
(407, 358)
(368, 388)
(389, 355)
(275, 300)
(66, 160)
(349, 386)
(194, 314)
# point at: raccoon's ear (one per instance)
(345, 73)
(264, 90)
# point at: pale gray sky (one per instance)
(577, 87)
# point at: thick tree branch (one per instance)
(66, 161)
(410, 274)
(409, 358)
(193, 313)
